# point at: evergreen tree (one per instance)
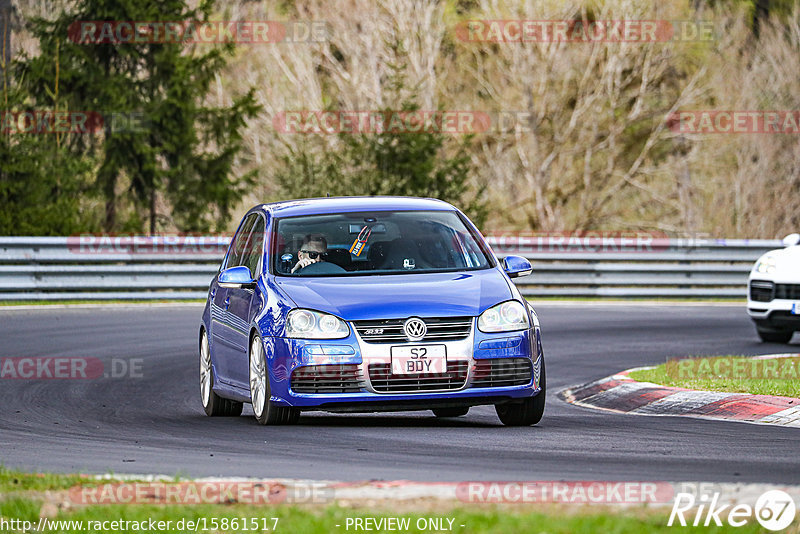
(175, 145)
(42, 178)
(386, 163)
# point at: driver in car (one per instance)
(313, 250)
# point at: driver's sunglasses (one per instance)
(313, 254)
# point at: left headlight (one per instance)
(505, 317)
(766, 265)
(309, 324)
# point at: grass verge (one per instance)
(735, 374)
(16, 481)
(26, 498)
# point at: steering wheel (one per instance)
(321, 267)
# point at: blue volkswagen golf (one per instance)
(368, 304)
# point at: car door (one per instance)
(242, 307)
(222, 330)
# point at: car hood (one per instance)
(787, 265)
(356, 298)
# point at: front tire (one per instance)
(213, 404)
(525, 413)
(774, 336)
(266, 411)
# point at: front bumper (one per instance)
(768, 311)
(472, 354)
(779, 316)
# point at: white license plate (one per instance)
(418, 359)
(795, 308)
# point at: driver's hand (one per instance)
(305, 262)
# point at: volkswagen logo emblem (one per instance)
(415, 329)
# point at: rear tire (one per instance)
(266, 411)
(450, 412)
(774, 336)
(525, 413)
(213, 404)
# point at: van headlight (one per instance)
(766, 265)
(308, 324)
(505, 317)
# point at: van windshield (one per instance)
(367, 243)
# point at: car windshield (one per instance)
(366, 243)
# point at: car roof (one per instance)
(319, 206)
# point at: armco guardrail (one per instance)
(108, 267)
(635, 265)
(81, 268)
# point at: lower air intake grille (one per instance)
(762, 290)
(502, 372)
(327, 379)
(380, 374)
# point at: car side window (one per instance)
(239, 243)
(255, 247)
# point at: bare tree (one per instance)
(587, 151)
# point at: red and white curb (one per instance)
(622, 394)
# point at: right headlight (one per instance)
(766, 265)
(309, 324)
(505, 317)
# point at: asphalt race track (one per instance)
(155, 424)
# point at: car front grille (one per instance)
(383, 381)
(391, 330)
(502, 372)
(787, 291)
(327, 379)
(762, 290)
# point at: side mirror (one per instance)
(516, 266)
(236, 278)
(791, 240)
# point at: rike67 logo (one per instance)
(774, 510)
